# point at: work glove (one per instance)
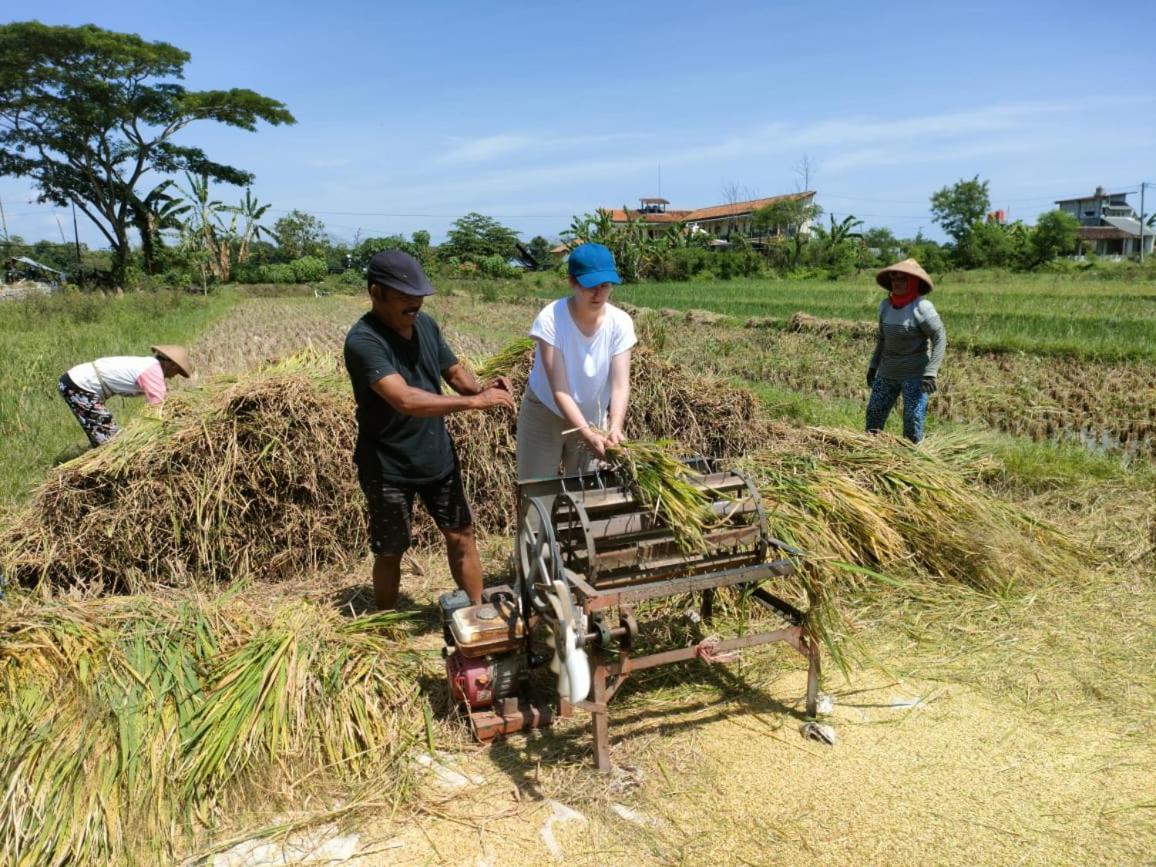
(870, 376)
(927, 385)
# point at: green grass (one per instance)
(1038, 313)
(42, 337)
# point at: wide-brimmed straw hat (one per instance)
(175, 354)
(907, 266)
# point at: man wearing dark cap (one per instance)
(396, 358)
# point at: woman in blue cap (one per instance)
(575, 402)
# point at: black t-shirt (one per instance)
(392, 445)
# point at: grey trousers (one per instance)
(542, 446)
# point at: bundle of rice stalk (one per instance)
(874, 512)
(665, 486)
(506, 361)
(126, 729)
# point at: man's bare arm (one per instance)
(403, 397)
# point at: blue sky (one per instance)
(410, 115)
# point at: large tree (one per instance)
(959, 207)
(1055, 234)
(88, 114)
(476, 236)
(300, 234)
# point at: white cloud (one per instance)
(330, 162)
(487, 148)
(842, 144)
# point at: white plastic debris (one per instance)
(632, 816)
(323, 845)
(558, 813)
(826, 703)
(901, 702)
(625, 777)
(439, 766)
(820, 732)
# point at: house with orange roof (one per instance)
(722, 222)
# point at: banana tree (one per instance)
(250, 211)
(156, 212)
(206, 231)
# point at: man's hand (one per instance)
(595, 442)
(870, 377)
(927, 385)
(488, 398)
(502, 382)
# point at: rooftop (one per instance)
(712, 212)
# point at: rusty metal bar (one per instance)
(600, 718)
(792, 635)
(631, 523)
(606, 598)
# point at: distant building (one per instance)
(1108, 225)
(22, 268)
(721, 222)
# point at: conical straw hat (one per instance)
(907, 266)
(175, 354)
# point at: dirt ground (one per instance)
(710, 768)
(1001, 734)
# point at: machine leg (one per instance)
(813, 672)
(600, 718)
(707, 605)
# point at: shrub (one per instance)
(303, 270)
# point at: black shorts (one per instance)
(391, 509)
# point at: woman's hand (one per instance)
(595, 441)
(615, 437)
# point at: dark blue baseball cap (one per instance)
(394, 269)
(592, 265)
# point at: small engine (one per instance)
(485, 646)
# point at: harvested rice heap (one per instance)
(134, 728)
(254, 476)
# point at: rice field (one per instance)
(43, 336)
(1001, 596)
(1108, 406)
(1081, 316)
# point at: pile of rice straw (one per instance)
(131, 727)
(253, 476)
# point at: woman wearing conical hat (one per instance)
(908, 349)
(86, 387)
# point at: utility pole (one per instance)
(1143, 184)
(76, 240)
(3, 223)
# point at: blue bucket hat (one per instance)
(592, 265)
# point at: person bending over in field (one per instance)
(908, 349)
(87, 386)
(396, 359)
(579, 387)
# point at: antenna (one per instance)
(660, 179)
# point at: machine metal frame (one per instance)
(600, 582)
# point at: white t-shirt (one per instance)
(127, 375)
(587, 359)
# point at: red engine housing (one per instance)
(471, 680)
(479, 681)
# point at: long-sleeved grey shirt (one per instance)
(911, 340)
